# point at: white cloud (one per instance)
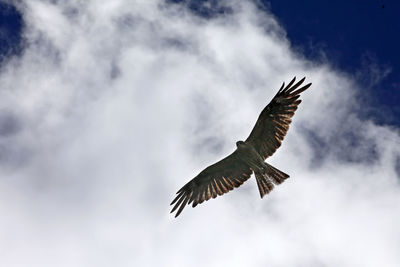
(115, 106)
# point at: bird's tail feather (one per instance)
(276, 175)
(268, 177)
(264, 184)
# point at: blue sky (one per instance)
(107, 108)
(10, 31)
(353, 34)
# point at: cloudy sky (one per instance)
(108, 108)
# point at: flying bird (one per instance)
(249, 156)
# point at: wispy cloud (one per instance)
(113, 106)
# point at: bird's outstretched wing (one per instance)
(213, 181)
(273, 122)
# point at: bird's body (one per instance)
(249, 156)
(265, 174)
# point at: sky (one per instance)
(359, 37)
(107, 109)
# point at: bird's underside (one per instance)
(232, 171)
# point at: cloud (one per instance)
(112, 107)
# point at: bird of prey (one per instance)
(249, 156)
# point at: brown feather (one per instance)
(273, 123)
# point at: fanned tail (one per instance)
(264, 184)
(276, 175)
(268, 177)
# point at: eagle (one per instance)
(249, 156)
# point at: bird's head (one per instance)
(240, 144)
